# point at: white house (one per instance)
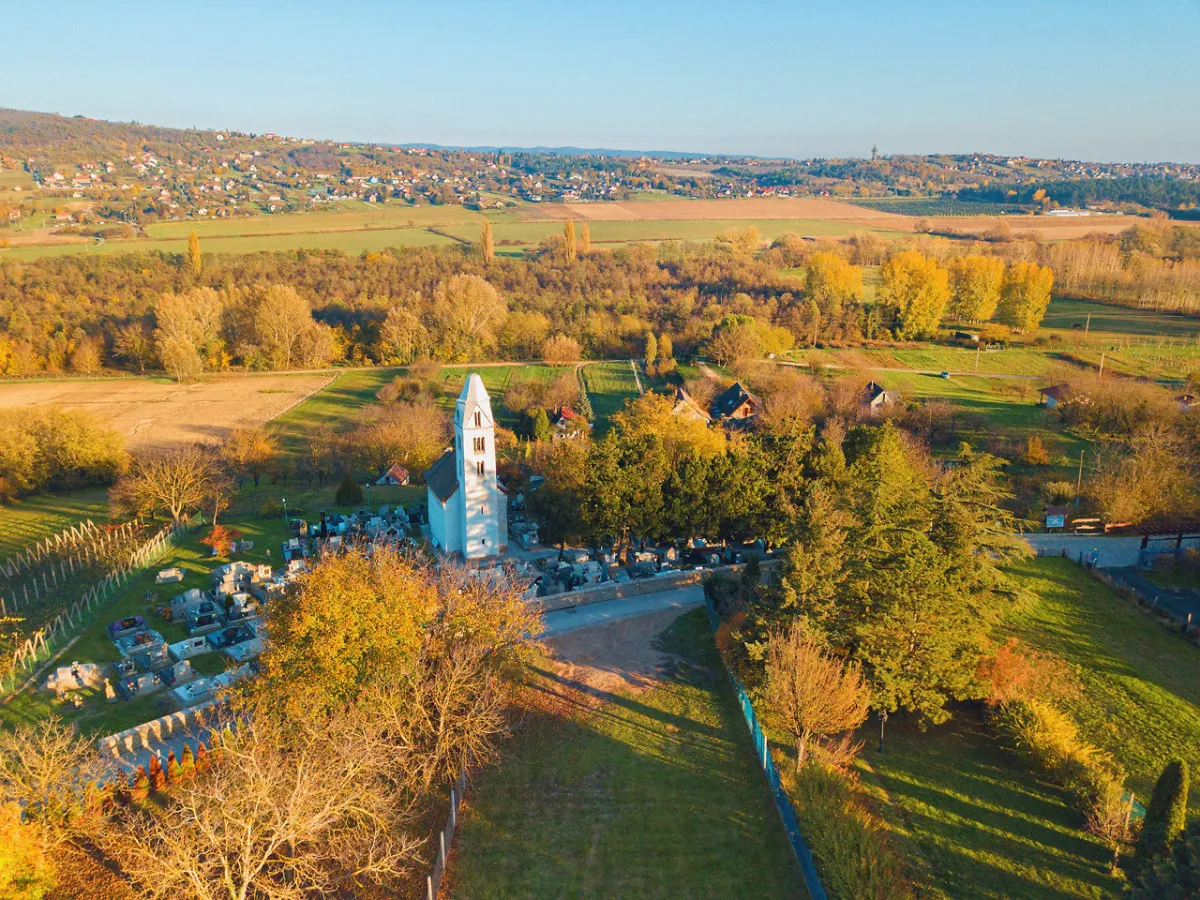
(467, 507)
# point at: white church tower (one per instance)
(467, 506)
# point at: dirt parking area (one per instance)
(617, 657)
(153, 414)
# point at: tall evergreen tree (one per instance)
(1166, 814)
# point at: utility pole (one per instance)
(1088, 326)
(1101, 373)
(977, 349)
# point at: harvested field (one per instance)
(746, 208)
(153, 413)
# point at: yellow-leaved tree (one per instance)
(1024, 295)
(914, 292)
(975, 287)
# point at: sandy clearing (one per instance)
(153, 414)
(620, 656)
(745, 208)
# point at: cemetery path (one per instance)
(562, 621)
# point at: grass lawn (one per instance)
(609, 385)
(30, 520)
(972, 823)
(1071, 316)
(648, 796)
(334, 406)
(1140, 684)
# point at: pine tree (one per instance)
(489, 248)
(585, 406)
(194, 253)
(541, 425)
(1166, 815)
(585, 239)
(666, 350)
(348, 492)
(569, 249)
(651, 348)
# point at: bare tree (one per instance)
(810, 692)
(50, 770)
(173, 481)
(286, 813)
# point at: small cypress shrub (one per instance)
(203, 761)
(187, 763)
(348, 493)
(1166, 814)
(172, 767)
(141, 784)
(158, 778)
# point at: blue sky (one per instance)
(1088, 79)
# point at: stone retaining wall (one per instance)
(639, 587)
(149, 735)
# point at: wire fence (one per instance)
(783, 803)
(445, 838)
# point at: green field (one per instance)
(609, 385)
(979, 825)
(652, 795)
(30, 520)
(1071, 316)
(1140, 696)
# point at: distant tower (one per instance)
(467, 506)
(875, 151)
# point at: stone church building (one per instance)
(468, 510)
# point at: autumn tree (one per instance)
(832, 283)
(281, 317)
(560, 349)
(666, 350)
(250, 452)
(914, 291)
(194, 260)
(974, 287)
(651, 351)
(570, 251)
(402, 335)
(810, 693)
(410, 432)
(486, 242)
(585, 239)
(1024, 295)
(465, 317)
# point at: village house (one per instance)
(396, 476)
(876, 397)
(1054, 395)
(688, 408)
(735, 406)
(568, 424)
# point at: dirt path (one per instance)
(617, 656)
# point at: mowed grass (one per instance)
(654, 795)
(1140, 683)
(42, 515)
(496, 379)
(334, 406)
(973, 823)
(609, 386)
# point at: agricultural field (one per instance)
(159, 413)
(651, 792)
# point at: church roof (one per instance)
(442, 476)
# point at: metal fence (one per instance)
(783, 803)
(445, 838)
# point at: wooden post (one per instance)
(1100, 374)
